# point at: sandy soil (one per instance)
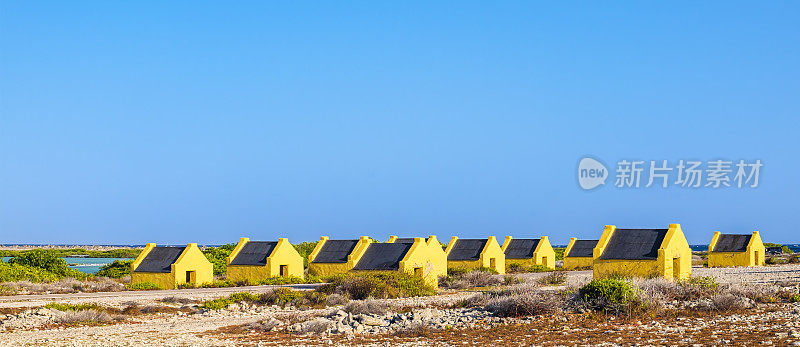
(215, 328)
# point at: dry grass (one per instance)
(368, 306)
(84, 317)
(178, 300)
(523, 300)
(66, 286)
(553, 278)
(336, 299)
(472, 279)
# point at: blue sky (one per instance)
(204, 122)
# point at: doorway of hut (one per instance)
(191, 277)
(284, 270)
(676, 268)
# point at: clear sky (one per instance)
(176, 122)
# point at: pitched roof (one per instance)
(383, 256)
(467, 249)
(582, 248)
(160, 259)
(732, 243)
(521, 248)
(335, 251)
(404, 240)
(254, 253)
(634, 244)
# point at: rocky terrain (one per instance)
(743, 315)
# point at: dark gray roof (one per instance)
(404, 240)
(335, 251)
(582, 248)
(383, 256)
(467, 249)
(521, 248)
(634, 244)
(160, 259)
(254, 253)
(732, 243)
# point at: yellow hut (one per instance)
(578, 254)
(169, 267)
(643, 253)
(408, 257)
(331, 257)
(435, 249)
(476, 253)
(529, 252)
(255, 261)
(736, 250)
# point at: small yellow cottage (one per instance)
(736, 250)
(168, 267)
(578, 254)
(438, 256)
(643, 253)
(255, 261)
(529, 252)
(331, 257)
(476, 253)
(408, 257)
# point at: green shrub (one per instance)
(389, 284)
(559, 253)
(117, 269)
(554, 278)
(216, 304)
(43, 259)
(72, 307)
(279, 296)
(143, 286)
(281, 281)
(218, 256)
(519, 268)
(609, 295)
(4, 291)
(17, 272)
(705, 282)
(784, 249)
(305, 249)
(795, 298)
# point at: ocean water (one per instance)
(85, 265)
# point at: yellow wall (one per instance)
(283, 254)
(573, 263)
(753, 256)
(674, 258)
(327, 269)
(162, 280)
(491, 250)
(437, 255)
(543, 254)
(192, 259)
